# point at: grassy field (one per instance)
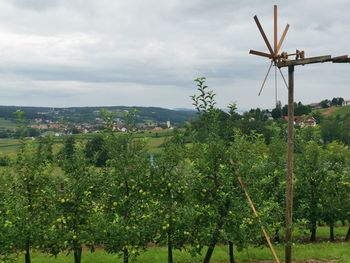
(154, 141)
(333, 111)
(9, 145)
(6, 124)
(320, 251)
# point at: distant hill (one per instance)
(89, 114)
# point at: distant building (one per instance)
(316, 105)
(303, 121)
(346, 103)
(168, 125)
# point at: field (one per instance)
(8, 146)
(333, 111)
(6, 124)
(154, 141)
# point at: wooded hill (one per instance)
(89, 114)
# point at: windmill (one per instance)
(274, 53)
(280, 60)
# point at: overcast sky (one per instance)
(147, 53)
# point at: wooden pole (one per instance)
(257, 216)
(289, 190)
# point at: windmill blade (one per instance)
(282, 38)
(263, 84)
(275, 29)
(263, 34)
(284, 80)
(259, 53)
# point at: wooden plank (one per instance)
(347, 60)
(275, 30)
(341, 59)
(263, 34)
(259, 53)
(257, 216)
(282, 38)
(304, 61)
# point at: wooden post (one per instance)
(289, 190)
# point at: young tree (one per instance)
(126, 202)
(169, 189)
(214, 187)
(335, 187)
(275, 179)
(8, 230)
(310, 176)
(78, 206)
(33, 193)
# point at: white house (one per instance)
(346, 103)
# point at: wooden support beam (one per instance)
(259, 53)
(304, 61)
(341, 59)
(290, 167)
(257, 216)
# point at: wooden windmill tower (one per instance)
(280, 60)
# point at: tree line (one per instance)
(110, 193)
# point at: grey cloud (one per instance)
(156, 46)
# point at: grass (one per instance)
(333, 111)
(9, 145)
(154, 144)
(155, 140)
(319, 251)
(321, 234)
(343, 110)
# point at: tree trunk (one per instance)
(126, 255)
(170, 249)
(27, 255)
(209, 252)
(276, 237)
(313, 232)
(212, 244)
(230, 248)
(77, 255)
(331, 232)
(347, 237)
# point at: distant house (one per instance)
(346, 103)
(54, 126)
(303, 121)
(310, 122)
(39, 127)
(316, 105)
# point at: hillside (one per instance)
(333, 111)
(89, 114)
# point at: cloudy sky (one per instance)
(137, 52)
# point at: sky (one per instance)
(63, 53)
